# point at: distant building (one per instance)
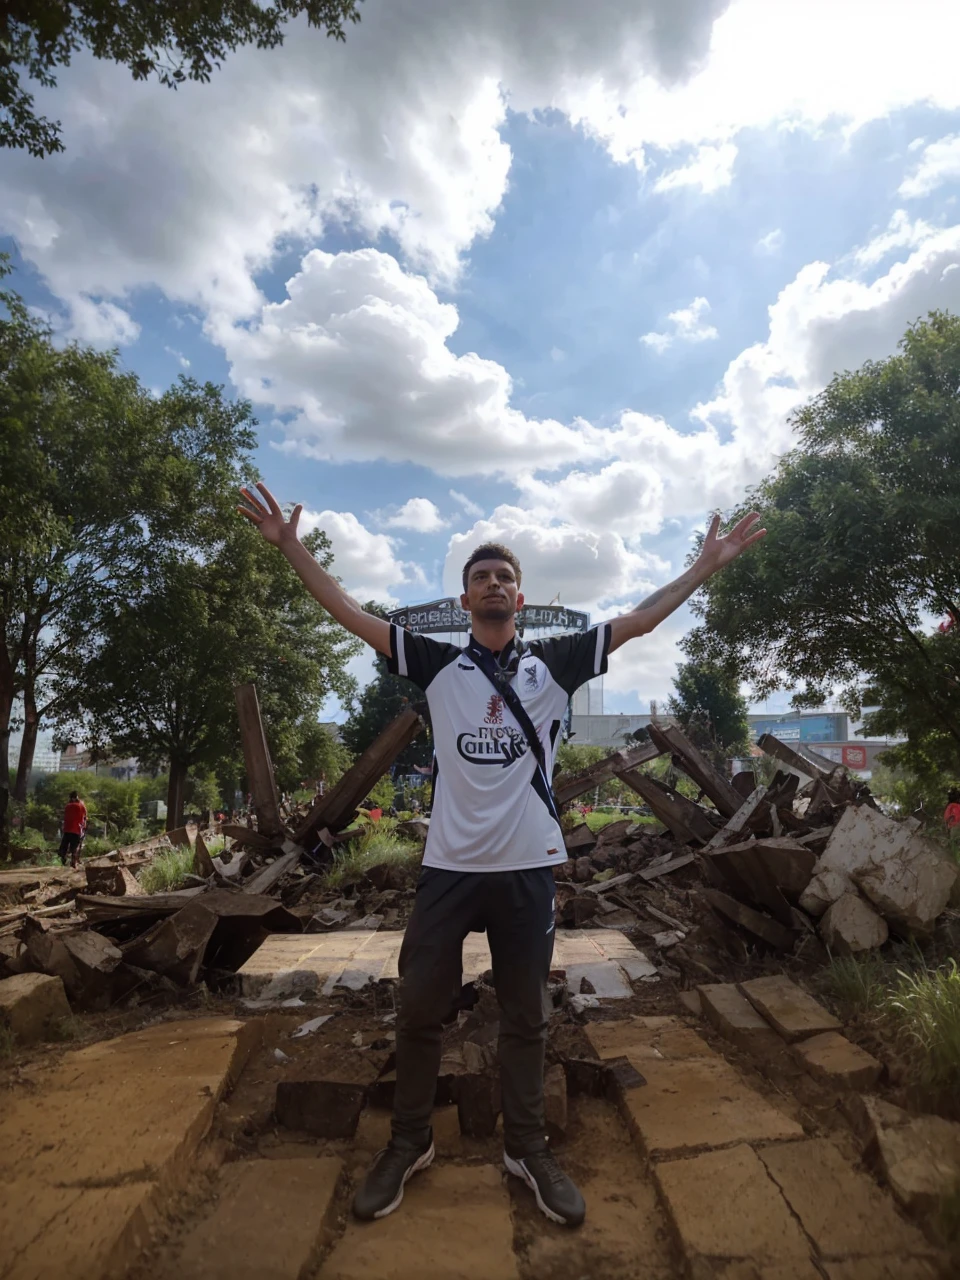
(77, 758)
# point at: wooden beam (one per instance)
(793, 759)
(568, 786)
(694, 763)
(688, 822)
(740, 821)
(256, 757)
(335, 809)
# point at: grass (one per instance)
(167, 871)
(597, 821)
(370, 849)
(918, 1005)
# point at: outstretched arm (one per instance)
(714, 554)
(265, 513)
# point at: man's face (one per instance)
(492, 594)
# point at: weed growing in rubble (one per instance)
(924, 1007)
(860, 985)
(7, 1043)
(167, 871)
(369, 850)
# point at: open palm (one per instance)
(268, 518)
(718, 550)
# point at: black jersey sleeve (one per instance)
(573, 660)
(419, 658)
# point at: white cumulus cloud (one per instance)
(710, 169)
(686, 325)
(939, 163)
(366, 563)
(418, 514)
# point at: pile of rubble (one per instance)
(110, 942)
(777, 865)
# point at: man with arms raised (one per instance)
(496, 707)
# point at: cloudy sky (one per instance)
(536, 270)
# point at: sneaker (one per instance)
(382, 1188)
(557, 1195)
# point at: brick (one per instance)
(687, 1105)
(454, 1224)
(724, 1205)
(271, 1221)
(835, 1059)
(327, 1108)
(728, 1009)
(788, 1008)
(842, 1209)
(31, 1003)
(478, 1104)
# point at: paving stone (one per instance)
(694, 1103)
(835, 1059)
(788, 1008)
(130, 1112)
(842, 1209)
(884, 1269)
(724, 1205)
(647, 1038)
(691, 1001)
(454, 1224)
(31, 1003)
(919, 1157)
(728, 1009)
(241, 1241)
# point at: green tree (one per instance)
(321, 756)
(381, 701)
(710, 708)
(861, 549)
(174, 40)
(194, 616)
(96, 478)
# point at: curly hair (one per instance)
(492, 551)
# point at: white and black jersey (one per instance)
(490, 808)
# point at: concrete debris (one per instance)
(790, 1010)
(834, 1059)
(31, 1005)
(918, 1155)
(308, 1028)
(850, 924)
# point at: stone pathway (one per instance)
(289, 963)
(697, 1176)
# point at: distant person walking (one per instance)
(951, 815)
(74, 829)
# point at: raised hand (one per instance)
(718, 551)
(269, 518)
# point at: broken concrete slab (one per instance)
(851, 925)
(834, 1059)
(761, 926)
(841, 1209)
(175, 947)
(790, 1010)
(919, 1156)
(642, 1038)
(725, 1206)
(327, 1108)
(728, 1009)
(85, 1156)
(907, 878)
(240, 1240)
(825, 887)
(456, 1225)
(31, 1005)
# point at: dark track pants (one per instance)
(517, 910)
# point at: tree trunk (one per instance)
(6, 710)
(28, 746)
(175, 790)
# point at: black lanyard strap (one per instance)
(500, 677)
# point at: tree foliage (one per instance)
(173, 40)
(861, 550)
(710, 708)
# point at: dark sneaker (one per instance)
(557, 1196)
(382, 1188)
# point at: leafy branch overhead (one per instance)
(174, 40)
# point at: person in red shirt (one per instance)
(74, 826)
(951, 815)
